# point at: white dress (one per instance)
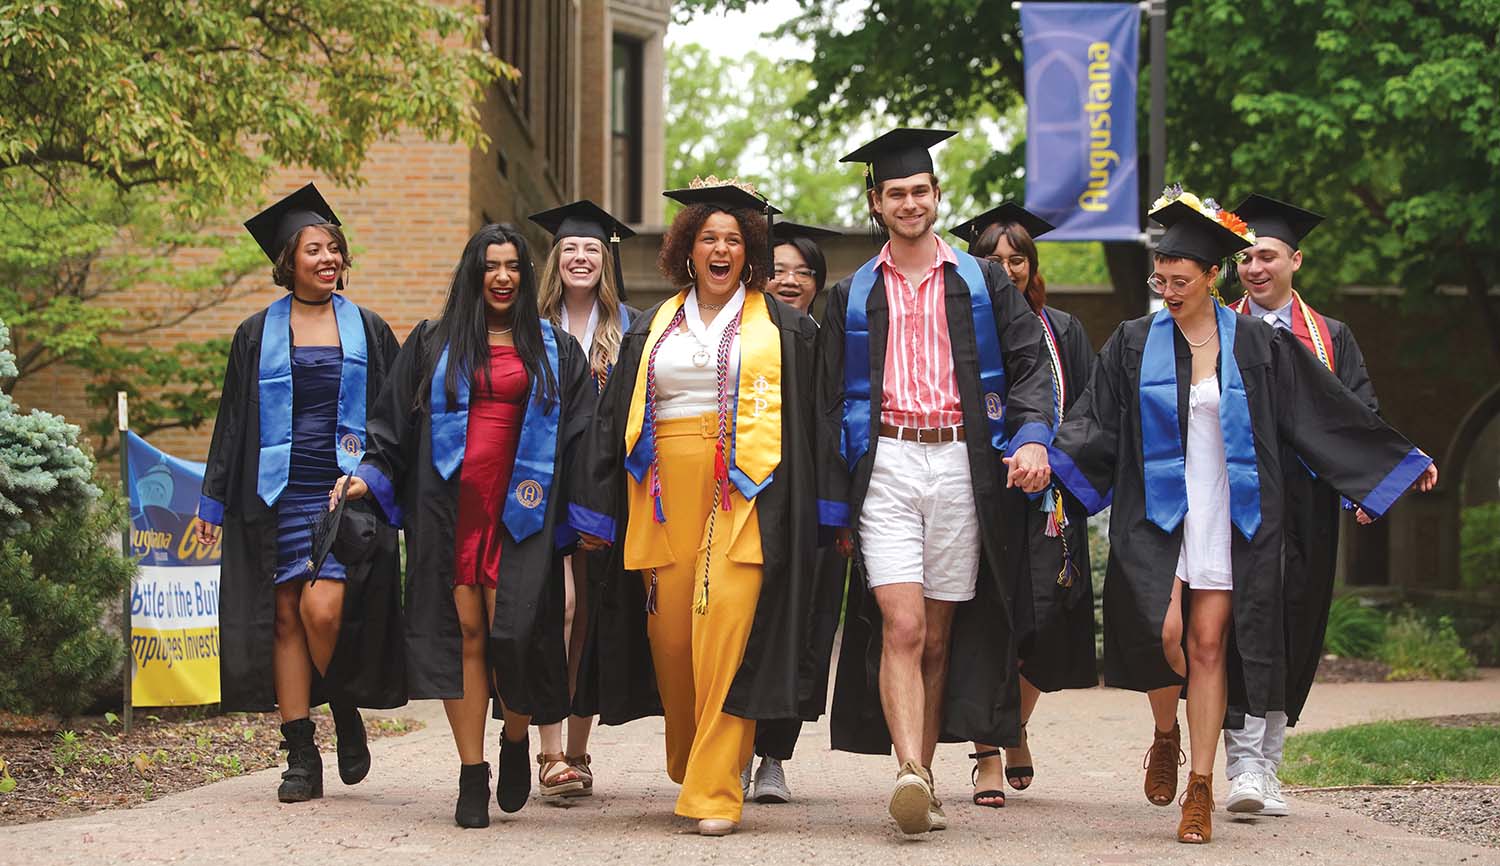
(1204, 561)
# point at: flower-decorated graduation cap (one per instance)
(726, 195)
(584, 219)
(902, 152)
(1277, 219)
(1198, 229)
(280, 222)
(1005, 214)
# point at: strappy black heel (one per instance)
(1014, 774)
(974, 780)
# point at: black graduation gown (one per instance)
(1294, 402)
(367, 665)
(1055, 626)
(526, 651)
(1312, 539)
(982, 697)
(620, 685)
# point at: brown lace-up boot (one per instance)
(1161, 763)
(1197, 824)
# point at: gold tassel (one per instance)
(700, 599)
(651, 594)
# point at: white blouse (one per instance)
(686, 367)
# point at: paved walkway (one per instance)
(1085, 807)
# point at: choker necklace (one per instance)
(324, 302)
(703, 306)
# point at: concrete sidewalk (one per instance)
(1085, 807)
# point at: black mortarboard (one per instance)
(726, 194)
(901, 152)
(325, 532)
(1277, 219)
(1006, 213)
(280, 222)
(1192, 235)
(785, 231)
(584, 219)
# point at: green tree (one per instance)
(133, 127)
(1383, 116)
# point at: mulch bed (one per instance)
(52, 770)
(1458, 813)
(1334, 669)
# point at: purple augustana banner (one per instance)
(1081, 72)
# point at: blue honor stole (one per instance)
(857, 409)
(536, 454)
(1165, 466)
(275, 380)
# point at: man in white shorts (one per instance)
(934, 396)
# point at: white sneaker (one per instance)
(1275, 804)
(745, 778)
(770, 783)
(1247, 793)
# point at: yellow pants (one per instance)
(696, 656)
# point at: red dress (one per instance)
(495, 417)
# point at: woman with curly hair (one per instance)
(699, 469)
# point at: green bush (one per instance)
(1416, 650)
(1479, 546)
(1354, 629)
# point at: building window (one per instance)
(626, 84)
(559, 93)
(510, 22)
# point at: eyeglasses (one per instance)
(804, 274)
(1015, 261)
(1160, 286)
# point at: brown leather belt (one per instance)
(924, 435)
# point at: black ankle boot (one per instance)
(303, 778)
(514, 787)
(473, 809)
(354, 749)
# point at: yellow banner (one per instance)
(176, 667)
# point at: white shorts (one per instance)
(918, 524)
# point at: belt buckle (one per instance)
(929, 435)
(708, 425)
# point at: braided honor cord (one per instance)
(721, 448)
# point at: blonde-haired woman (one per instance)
(582, 292)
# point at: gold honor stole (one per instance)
(754, 437)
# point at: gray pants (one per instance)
(1256, 748)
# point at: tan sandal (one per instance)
(555, 777)
(580, 764)
(1161, 763)
(1197, 810)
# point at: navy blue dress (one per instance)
(316, 373)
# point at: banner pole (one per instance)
(127, 714)
(1157, 19)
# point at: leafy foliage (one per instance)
(57, 578)
(42, 469)
(1417, 649)
(1355, 630)
(132, 127)
(1479, 546)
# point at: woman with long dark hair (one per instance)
(582, 293)
(468, 446)
(1052, 605)
(699, 465)
(292, 417)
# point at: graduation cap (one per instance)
(1277, 219)
(785, 231)
(902, 152)
(584, 219)
(280, 222)
(727, 195)
(1191, 234)
(347, 531)
(1005, 214)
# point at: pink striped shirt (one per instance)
(920, 388)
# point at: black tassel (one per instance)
(651, 594)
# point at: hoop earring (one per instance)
(750, 279)
(690, 271)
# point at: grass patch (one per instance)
(1393, 753)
